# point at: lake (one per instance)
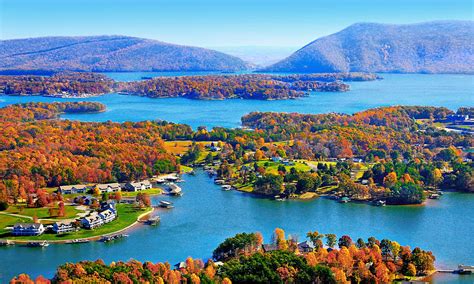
(206, 215)
(451, 91)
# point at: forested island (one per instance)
(251, 86)
(245, 258)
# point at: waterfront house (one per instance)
(108, 216)
(138, 186)
(27, 229)
(457, 117)
(72, 189)
(64, 227)
(92, 221)
(305, 247)
(109, 187)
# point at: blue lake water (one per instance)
(205, 215)
(451, 91)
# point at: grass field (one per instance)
(8, 221)
(181, 147)
(151, 191)
(127, 213)
(42, 213)
(272, 167)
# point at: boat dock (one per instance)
(153, 220)
(109, 238)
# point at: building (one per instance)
(305, 247)
(109, 187)
(269, 247)
(64, 227)
(276, 159)
(84, 200)
(108, 215)
(457, 117)
(138, 186)
(27, 229)
(92, 221)
(71, 189)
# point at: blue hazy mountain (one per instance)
(432, 47)
(110, 53)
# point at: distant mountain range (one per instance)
(111, 53)
(432, 47)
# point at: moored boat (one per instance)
(344, 200)
(37, 244)
(77, 241)
(166, 204)
(226, 187)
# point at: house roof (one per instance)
(28, 225)
(76, 186)
(92, 217)
(140, 183)
(107, 185)
(106, 213)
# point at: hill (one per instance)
(110, 53)
(432, 47)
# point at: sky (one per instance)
(213, 23)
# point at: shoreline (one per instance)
(92, 238)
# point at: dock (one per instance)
(153, 221)
(110, 238)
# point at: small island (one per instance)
(209, 87)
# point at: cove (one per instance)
(451, 91)
(205, 215)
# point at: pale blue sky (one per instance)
(216, 22)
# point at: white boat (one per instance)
(38, 244)
(166, 204)
(226, 187)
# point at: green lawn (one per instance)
(151, 191)
(42, 213)
(186, 169)
(127, 213)
(272, 167)
(7, 221)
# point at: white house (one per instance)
(109, 187)
(137, 186)
(107, 216)
(63, 227)
(71, 189)
(92, 221)
(28, 229)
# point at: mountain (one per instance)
(110, 53)
(432, 47)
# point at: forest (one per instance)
(251, 86)
(37, 151)
(66, 83)
(245, 258)
(399, 159)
